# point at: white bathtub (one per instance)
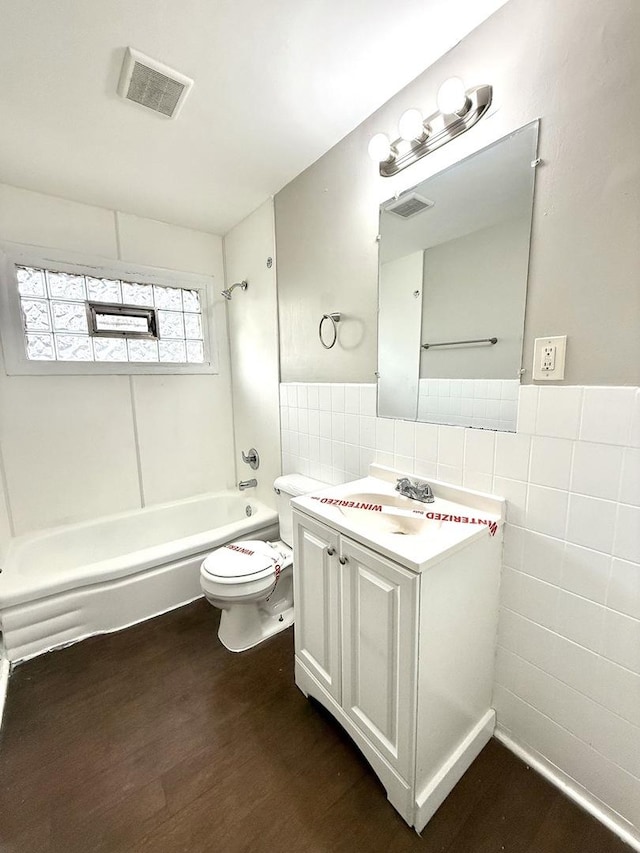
(64, 584)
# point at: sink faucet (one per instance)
(247, 484)
(417, 491)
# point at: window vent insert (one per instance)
(148, 82)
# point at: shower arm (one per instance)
(244, 284)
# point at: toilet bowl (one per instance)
(251, 581)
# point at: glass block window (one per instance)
(78, 318)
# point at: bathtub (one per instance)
(62, 585)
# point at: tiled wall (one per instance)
(568, 667)
(482, 403)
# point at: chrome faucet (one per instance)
(247, 484)
(417, 491)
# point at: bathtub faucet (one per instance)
(247, 484)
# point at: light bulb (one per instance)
(410, 125)
(452, 97)
(379, 147)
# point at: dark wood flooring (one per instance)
(157, 739)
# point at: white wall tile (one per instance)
(527, 409)
(352, 399)
(324, 423)
(313, 396)
(479, 450)
(477, 481)
(324, 397)
(515, 494)
(547, 510)
(449, 474)
(634, 439)
(607, 414)
(630, 481)
(624, 588)
(529, 597)
(367, 431)
(368, 394)
(527, 639)
(586, 572)
(627, 539)
(427, 442)
(580, 620)
(573, 664)
(352, 429)
(385, 435)
(513, 546)
(337, 426)
(426, 469)
(621, 640)
(619, 690)
(542, 557)
(551, 462)
(591, 522)
(596, 470)
(558, 412)
(405, 438)
(512, 456)
(337, 398)
(451, 446)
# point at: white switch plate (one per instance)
(548, 358)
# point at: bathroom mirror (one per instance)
(453, 263)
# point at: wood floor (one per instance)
(157, 739)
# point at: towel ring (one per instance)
(335, 319)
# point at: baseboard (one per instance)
(5, 667)
(431, 797)
(572, 789)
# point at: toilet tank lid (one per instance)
(297, 484)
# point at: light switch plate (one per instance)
(548, 358)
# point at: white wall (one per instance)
(575, 65)
(253, 338)
(77, 447)
(474, 287)
(568, 665)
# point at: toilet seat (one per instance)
(245, 562)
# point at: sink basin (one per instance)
(388, 514)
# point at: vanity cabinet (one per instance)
(355, 633)
(403, 659)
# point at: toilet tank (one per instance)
(291, 486)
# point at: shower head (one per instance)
(227, 292)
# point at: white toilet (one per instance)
(251, 581)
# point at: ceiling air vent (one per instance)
(409, 205)
(152, 84)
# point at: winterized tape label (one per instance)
(408, 513)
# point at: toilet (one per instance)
(251, 581)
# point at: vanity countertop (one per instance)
(415, 534)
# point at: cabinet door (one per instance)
(379, 604)
(316, 596)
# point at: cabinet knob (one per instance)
(343, 561)
(331, 551)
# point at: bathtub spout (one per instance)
(247, 484)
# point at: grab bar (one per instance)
(455, 343)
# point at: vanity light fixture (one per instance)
(458, 110)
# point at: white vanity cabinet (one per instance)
(403, 659)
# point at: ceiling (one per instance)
(277, 84)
